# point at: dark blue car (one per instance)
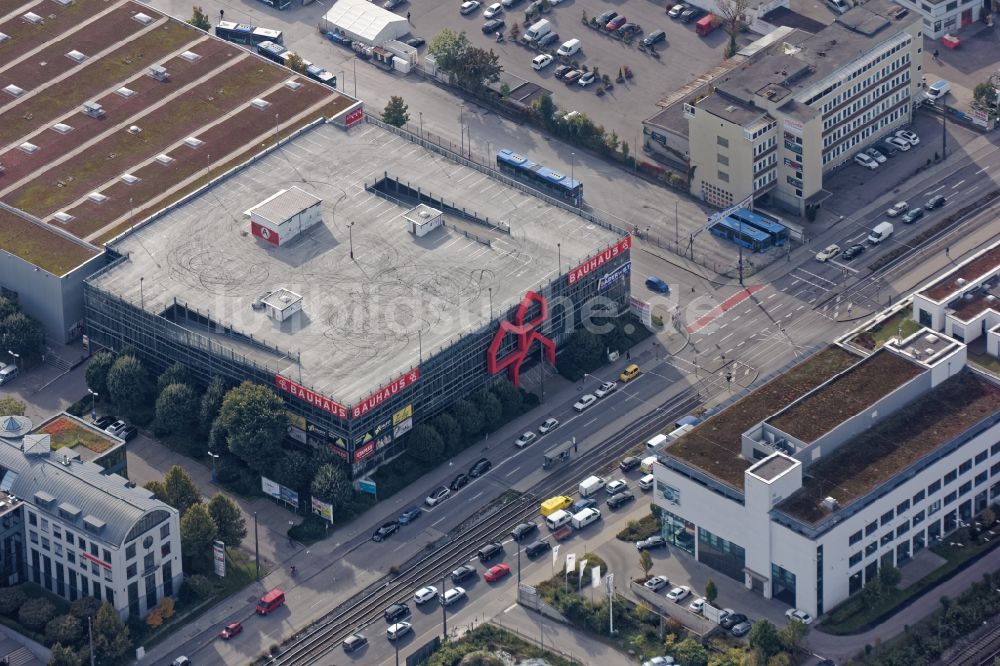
(580, 505)
(658, 285)
(410, 515)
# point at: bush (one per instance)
(11, 600)
(84, 607)
(311, 529)
(637, 530)
(36, 613)
(65, 629)
(196, 588)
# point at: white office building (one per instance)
(76, 530)
(843, 463)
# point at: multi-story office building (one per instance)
(779, 123)
(944, 16)
(77, 530)
(843, 464)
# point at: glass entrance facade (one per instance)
(723, 556)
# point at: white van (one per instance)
(591, 485)
(647, 464)
(647, 482)
(585, 517)
(8, 373)
(937, 90)
(839, 6)
(537, 31)
(656, 442)
(569, 47)
(557, 519)
(881, 231)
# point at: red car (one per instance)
(231, 630)
(616, 23)
(496, 573)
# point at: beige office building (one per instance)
(776, 125)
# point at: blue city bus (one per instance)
(778, 232)
(278, 4)
(272, 51)
(248, 35)
(540, 177)
(319, 74)
(741, 234)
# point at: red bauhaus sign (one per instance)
(262, 232)
(383, 394)
(599, 260)
(354, 117)
(313, 398)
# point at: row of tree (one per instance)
(585, 351)
(19, 333)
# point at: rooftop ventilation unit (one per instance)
(93, 109)
(193, 142)
(164, 159)
(63, 217)
(190, 56)
(125, 92)
(76, 56)
(291, 84)
(930, 338)
(144, 19)
(32, 17)
(62, 128)
(260, 103)
(830, 504)
(28, 147)
(97, 197)
(914, 352)
(159, 72)
(129, 179)
(961, 282)
(14, 90)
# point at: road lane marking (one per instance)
(772, 296)
(726, 305)
(512, 472)
(941, 187)
(973, 188)
(510, 608)
(726, 338)
(985, 168)
(434, 524)
(956, 185)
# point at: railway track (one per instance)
(367, 606)
(982, 652)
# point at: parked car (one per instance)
(493, 26)
(619, 500)
(799, 615)
(908, 137)
(935, 201)
(507, 4)
(629, 29)
(452, 596)
(664, 660)
(230, 630)
(677, 10)
(438, 495)
(897, 209)
(690, 14)
(875, 155)
(580, 505)
(536, 548)
(655, 541)
(395, 612)
(525, 439)
(697, 606)
(104, 421)
(629, 463)
(129, 433)
(541, 61)
(393, 4)
(865, 160)
(400, 628)
(616, 23)
(584, 402)
(385, 531)
(741, 629)
(548, 425)
(897, 143)
(547, 40)
(616, 487)
(647, 482)
(607, 388)
(561, 71)
(409, 515)
(181, 661)
(116, 427)
(912, 215)
(459, 482)
(479, 468)
(489, 551)
(354, 642)
(468, 7)
(855, 250)
(586, 79)
(731, 620)
(827, 253)
(496, 573)
(657, 284)
(607, 17)
(656, 583)
(415, 42)
(493, 10)
(425, 594)
(523, 530)
(679, 593)
(573, 77)
(654, 38)
(463, 572)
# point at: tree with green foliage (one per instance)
(468, 417)
(8, 306)
(230, 526)
(11, 407)
(448, 48)
(780, 659)
(11, 599)
(396, 112)
(793, 635)
(211, 403)
(199, 19)
(646, 562)
(425, 444)
(510, 398)
(888, 578)
(178, 373)
(198, 532)
(253, 424)
(111, 636)
(129, 386)
(64, 655)
(22, 335)
(196, 588)
(451, 433)
(295, 470)
(181, 491)
(64, 629)
(490, 408)
(176, 411)
(545, 110)
(36, 613)
(711, 591)
(478, 67)
(97, 372)
(689, 652)
(332, 485)
(295, 62)
(764, 637)
(84, 607)
(985, 95)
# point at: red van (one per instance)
(270, 601)
(706, 24)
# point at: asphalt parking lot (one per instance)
(683, 57)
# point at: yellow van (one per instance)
(554, 504)
(630, 372)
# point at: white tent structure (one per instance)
(365, 22)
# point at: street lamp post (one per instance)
(421, 124)
(93, 404)
(256, 545)
(214, 456)
(16, 357)
(461, 121)
(559, 250)
(444, 611)
(350, 238)
(142, 301)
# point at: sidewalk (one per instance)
(549, 634)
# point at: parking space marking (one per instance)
(958, 184)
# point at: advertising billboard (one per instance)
(598, 260)
(322, 509)
(384, 393)
(315, 399)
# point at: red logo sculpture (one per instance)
(526, 335)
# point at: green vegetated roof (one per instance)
(43, 248)
(847, 395)
(714, 446)
(881, 452)
(970, 272)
